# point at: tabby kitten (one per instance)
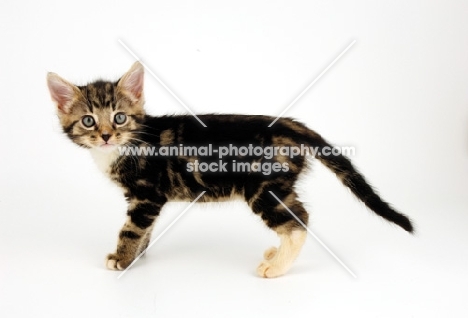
(107, 116)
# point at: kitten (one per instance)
(106, 117)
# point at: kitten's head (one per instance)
(101, 115)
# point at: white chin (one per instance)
(106, 148)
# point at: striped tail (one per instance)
(352, 179)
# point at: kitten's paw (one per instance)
(268, 270)
(116, 262)
(270, 253)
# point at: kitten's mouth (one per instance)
(107, 147)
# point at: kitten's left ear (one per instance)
(132, 81)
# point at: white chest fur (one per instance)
(104, 159)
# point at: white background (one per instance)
(399, 95)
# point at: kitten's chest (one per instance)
(104, 160)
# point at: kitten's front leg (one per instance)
(134, 235)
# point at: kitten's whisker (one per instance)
(143, 125)
(137, 139)
(145, 133)
(146, 126)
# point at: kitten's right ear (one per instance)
(61, 91)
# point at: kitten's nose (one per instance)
(106, 137)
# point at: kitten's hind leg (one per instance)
(277, 261)
(281, 260)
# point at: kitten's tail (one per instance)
(352, 179)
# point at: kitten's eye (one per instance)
(88, 121)
(120, 118)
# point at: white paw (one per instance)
(268, 270)
(113, 262)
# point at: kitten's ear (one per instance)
(132, 81)
(61, 91)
